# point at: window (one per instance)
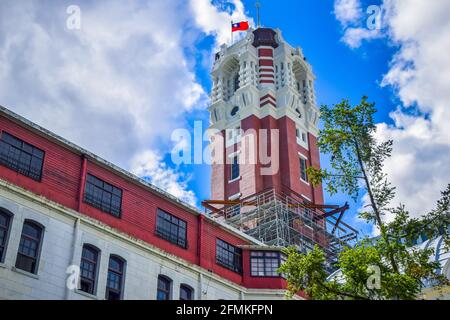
(228, 256)
(234, 174)
(5, 221)
(186, 292)
(88, 268)
(234, 111)
(301, 136)
(236, 82)
(29, 247)
(116, 270)
(303, 167)
(103, 196)
(164, 288)
(264, 263)
(21, 156)
(304, 137)
(171, 228)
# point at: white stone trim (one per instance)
(305, 158)
(307, 198)
(235, 196)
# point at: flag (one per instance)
(239, 26)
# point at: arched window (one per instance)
(89, 268)
(164, 288)
(30, 246)
(115, 282)
(236, 82)
(234, 111)
(186, 292)
(5, 222)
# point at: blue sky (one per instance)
(134, 71)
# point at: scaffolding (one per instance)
(287, 220)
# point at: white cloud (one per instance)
(216, 21)
(420, 74)
(347, 11)
(118, 86)
(150, 165)
(353, 37)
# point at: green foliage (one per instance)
(357, 163)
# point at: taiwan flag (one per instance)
(239, 26)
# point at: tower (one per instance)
(264, 88)
(264, 120)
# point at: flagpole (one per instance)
(231, 33)
(258, 6)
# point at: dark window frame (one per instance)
(167, 291)
(6, 229)
(96, 189)
(236, 82)
(20, 149)
(164, 218)
(234, 168)
(266, 258)
(228, 256)
(234, 111)
(22, 256)
(120, 273)
(303, 168)
(92, 281)
(187, 289)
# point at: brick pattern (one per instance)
(266, 66)
(61, 183)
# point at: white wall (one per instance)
(143, 262)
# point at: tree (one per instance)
(357, 163)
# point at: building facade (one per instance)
(263, 106)
(65, 211)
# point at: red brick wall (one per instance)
(61, 169)
(250, 281)
(61, 181)
(288, 176)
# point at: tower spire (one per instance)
(258, 18)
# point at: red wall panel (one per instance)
(61, 169)
(61, 183)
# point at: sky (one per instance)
(131, 72)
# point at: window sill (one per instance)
(305, 182)
(25, 273)
(302, 143)
(228, 268)
(167, 240)
(235, 179)
(88, 295)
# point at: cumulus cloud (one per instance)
(216, 20)
(120, 84)
(347, 11)
(354, 23)
(150, 165)
(420, 75)
(353, 37)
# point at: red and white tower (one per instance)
(263, 87)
